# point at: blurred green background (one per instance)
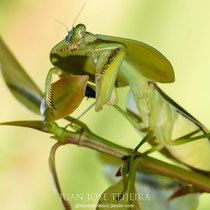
(179, 29)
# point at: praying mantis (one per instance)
(111, 62)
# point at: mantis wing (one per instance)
(149, 62)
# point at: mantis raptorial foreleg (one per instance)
(48, 95)
(108, 58)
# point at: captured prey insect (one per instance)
(114, 62)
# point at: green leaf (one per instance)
(109, 199)
(159, 188)
(59, 133)
(186, 190)
(35, 124)
(18, 81)
(67, 94)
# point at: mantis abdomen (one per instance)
(165, 121)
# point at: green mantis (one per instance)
(93, 66)
(113, 62)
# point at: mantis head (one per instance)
(75, 36)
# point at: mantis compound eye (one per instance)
(77, 33)
(67, 39)
(79, 30)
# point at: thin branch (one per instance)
(90, 140)
(84, 137)
(56, 184)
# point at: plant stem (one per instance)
(90, 140)
(52, 167)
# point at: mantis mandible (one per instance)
(113, 62)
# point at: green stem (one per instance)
(52, 166)
(90, 140)
(190, 177)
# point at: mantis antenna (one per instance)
(63, 25)
(78, 14)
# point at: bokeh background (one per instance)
(179, 29)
